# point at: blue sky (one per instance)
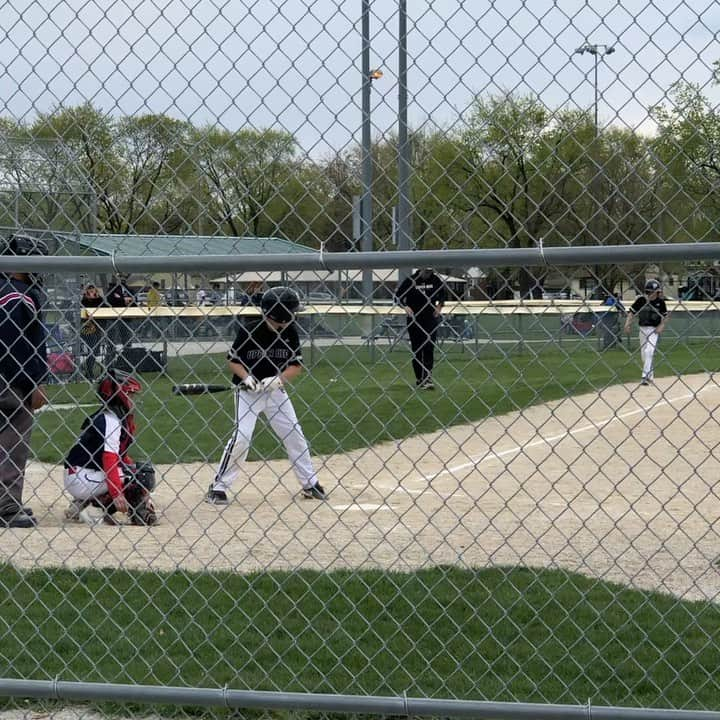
(295, 64)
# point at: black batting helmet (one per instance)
(21, 244)
(280, 304)
(652, 286)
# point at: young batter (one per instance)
(652, 315)
(265, 355)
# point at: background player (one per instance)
(266, 355)
(422, 294)
(652, 316)
(99, 473)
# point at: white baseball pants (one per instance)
(279, 410)
(648, 343)
(85, 483)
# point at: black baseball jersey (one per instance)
(263, 351)
(421, 295)
(650, 313)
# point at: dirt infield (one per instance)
(618, 485)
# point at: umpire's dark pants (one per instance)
(16, 421)
(422, 332)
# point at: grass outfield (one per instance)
(349, 400)
(494, 634)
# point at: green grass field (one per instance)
(503, 634)
(348, 400)
(511, 634)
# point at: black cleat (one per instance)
(19, 519)
(315, 492)
(216, 497)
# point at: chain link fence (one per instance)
(512, 515)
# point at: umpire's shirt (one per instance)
(264, 352)
(422, 296)
(650, 313)
(23, 355)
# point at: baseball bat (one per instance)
(198, 389)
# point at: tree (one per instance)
(687, 152)
(153, 150)
(244, 171)
(85, 163)
(510, 176)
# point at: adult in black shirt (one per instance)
(422, 294)
(651, 312)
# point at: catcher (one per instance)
(99, 474)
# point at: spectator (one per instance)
(152, 326)
(154, 296)
(118, 295)
(90, 332)
(201, 296)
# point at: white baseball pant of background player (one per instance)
(648, 343)
(280, 412)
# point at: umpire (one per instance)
(23, 370)
(422, 294)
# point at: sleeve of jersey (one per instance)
(295, 350)
(401, 292)
(234, 354)
(28, 348)
(439, 293)
(111, 467)
(111, 455)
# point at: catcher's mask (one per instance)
(116, 388)
(652, 286)
(280, 304)
(22, 245)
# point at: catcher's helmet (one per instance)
(280, 304)
(143, 474)
(652, 286)
(116, 388)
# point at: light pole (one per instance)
(598, 51)
(368, 76)
(403, 210)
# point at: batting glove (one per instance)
(250, 384)
(271, 383)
